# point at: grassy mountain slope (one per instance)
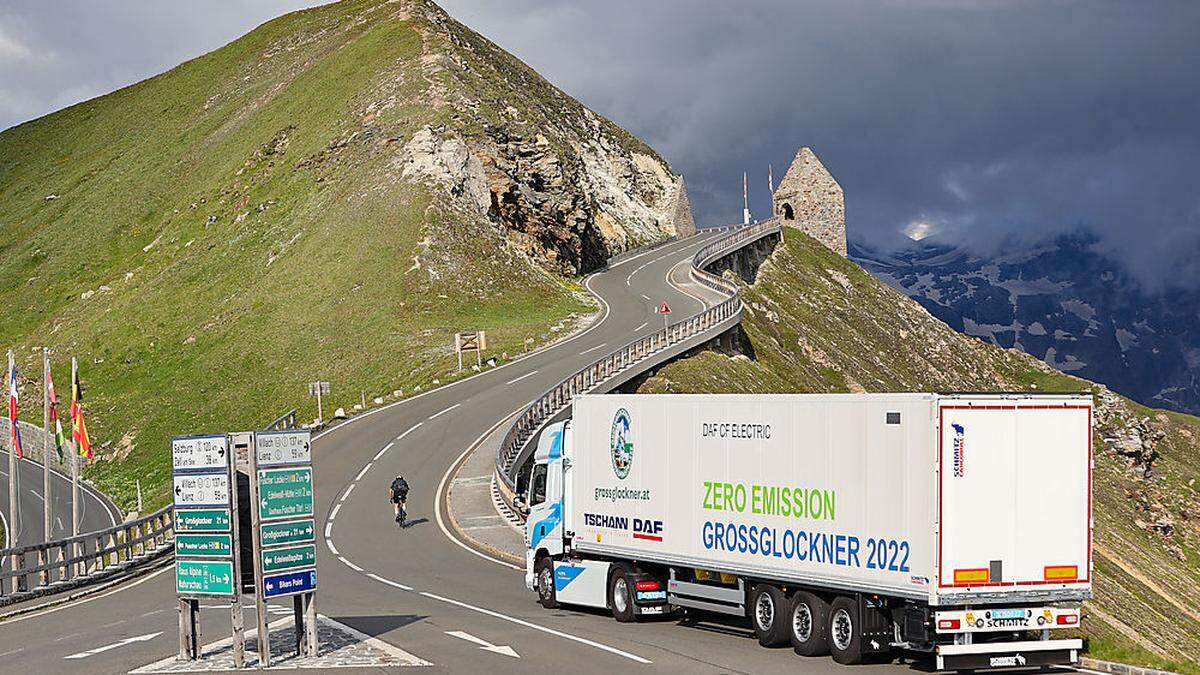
(816, 322)
(285, 209)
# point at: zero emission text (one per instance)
(771, 500)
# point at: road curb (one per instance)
(1118, 668)
(461, 532)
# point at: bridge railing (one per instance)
(633, 355)
(49, 567)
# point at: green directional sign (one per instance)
(204, 545)
(204, 577)
(288, 557)
(202, 520)
(288, 532)
(285, 493)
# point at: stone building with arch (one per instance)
(809, 199)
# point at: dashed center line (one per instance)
(644, 323)
(349, 489)
(364, 471)
(592, 349)
(518, 379)
(333, 514)
(439, 414)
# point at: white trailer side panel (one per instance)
(1015, 504)
(829, 489)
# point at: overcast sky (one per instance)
(986, 119)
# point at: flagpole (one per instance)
(49, 437)
(12, 466)
(74, 471)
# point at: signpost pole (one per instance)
(320, 412)
(12, 480)
(310, 621)
(260, 601)
(189, 644)
(235, 604)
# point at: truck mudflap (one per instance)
(1008, 654)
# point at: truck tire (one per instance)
(620, 596)
(769, 615)
(845, 632)
(543, 580)
(809, 625)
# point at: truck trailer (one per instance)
(853, 525)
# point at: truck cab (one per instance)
(544, 526)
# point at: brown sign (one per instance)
(470, 342)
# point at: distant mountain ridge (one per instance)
(1064, 302)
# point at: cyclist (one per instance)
(398, 493)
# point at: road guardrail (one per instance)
(636, 355)
(50, 567)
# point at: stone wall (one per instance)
(681, 213)
(809, 199)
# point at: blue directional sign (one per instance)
(289, 583)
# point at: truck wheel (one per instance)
(769, 615)
(845, 632)
(620, 596)
(543, 574)
(809, 624)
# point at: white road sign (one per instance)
(199, 452)
(201, 489)
(283, 447)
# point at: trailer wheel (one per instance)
(543, 574)
(845, 632)
(809, 624)
(769, 615)
(620, 596)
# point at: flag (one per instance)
(78, 428)
(59, 438)
(14, 428)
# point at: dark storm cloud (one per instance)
(990, 120)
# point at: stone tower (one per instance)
(809, 199)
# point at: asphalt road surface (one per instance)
(411, 588)
(95, 511)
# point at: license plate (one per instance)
(1016, 613)
(1002, 661)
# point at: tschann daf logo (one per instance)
(959, 451)
(621, 444)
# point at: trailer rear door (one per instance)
(1014, 505)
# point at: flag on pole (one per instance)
(78, 428)
(60, 439)
(771, 178)
(14, 428)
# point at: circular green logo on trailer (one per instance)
(620, 442)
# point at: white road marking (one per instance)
(443, 412)
(349, 564)
(13, 651)
(592, 349)
(387, 447)
(349, 489)
(118, 589)
(645, 297)
(328, 527)
(333, 514)
(98, 650)
(389, 582)
(518, 379)
(641, 326)
(332, 548)
(410, 430)
(362, 473)
(484, 644)
(534, 626)
(37, 494)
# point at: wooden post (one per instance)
(235, 609)
(189, 640)
(310, 619)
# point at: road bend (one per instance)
(417, 588)
(96, 512)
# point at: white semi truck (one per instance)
(957, 525)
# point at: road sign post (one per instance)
(665, 310)
(207, 564)
(318, 389)
(285, 553)
(475, 341)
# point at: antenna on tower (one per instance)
(745, 202)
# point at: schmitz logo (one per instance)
(620, 444)
(959, 450)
